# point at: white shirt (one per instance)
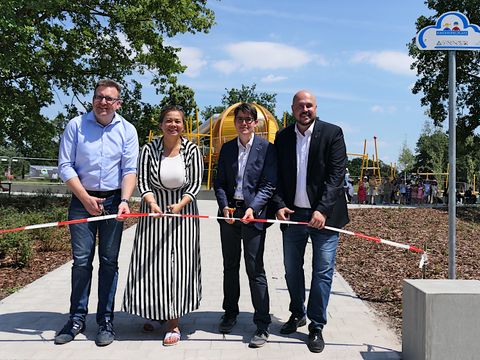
(243, 152)
(172, 172)
(303, 147)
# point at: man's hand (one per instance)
(284, 213)
(318, 220)
(228, 213)
(93, 205)
(123, 208)
(248, 216)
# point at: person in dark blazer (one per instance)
(310, 189)
(246, 180)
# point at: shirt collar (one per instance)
(307, 133)
(91, 116)
(247, 145)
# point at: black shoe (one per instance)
(227, 324)
(71, 329)
(292, 324)
(315, 341)
(105, 334)
(259, 339)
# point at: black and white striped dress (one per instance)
(164, 276)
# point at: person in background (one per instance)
(362, 191)
(98, 162)
(163, 282)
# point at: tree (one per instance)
(406, 159)
(354, 167)
(66, 46)
(432, 72)
(210, 110)
(432, 150)
(183, 96)
(244, 94)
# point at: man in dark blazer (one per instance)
(246, 179)
(311, 173)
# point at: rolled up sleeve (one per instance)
(67, 152)
(130, 152)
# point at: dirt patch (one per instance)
(376, 271)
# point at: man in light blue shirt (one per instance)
(98, 162)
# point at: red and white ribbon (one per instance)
(271, 221)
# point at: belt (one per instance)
(103, 194)
(237, 203)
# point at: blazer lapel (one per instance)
(234, 158)
(256, 148)
(313, 151)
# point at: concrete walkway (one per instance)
(30, 317)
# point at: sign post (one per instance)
(452, 32)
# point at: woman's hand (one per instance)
(175, 208)
(154, 208)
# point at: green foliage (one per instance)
(66, 46)
(183, 96)
(249, 94)
(354, 166)
(18, 247)
(406, 159)
(432, 150)
(244, 94)
(210, 110)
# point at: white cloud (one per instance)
(192, 58)
(264, 55)
(272, 78)
(392, 61)
(225, 66)
(383, 109)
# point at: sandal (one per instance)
(152, 325)
(171, 338)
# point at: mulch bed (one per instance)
(374, 271)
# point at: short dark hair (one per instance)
(109, 83)
(169, 108)
(246, 107)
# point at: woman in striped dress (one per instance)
(164, 276)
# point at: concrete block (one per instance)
(441, 319)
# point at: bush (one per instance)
(17, 248)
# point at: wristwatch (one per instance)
(125, 201)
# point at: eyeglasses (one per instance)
(108, 99)
(246, 120)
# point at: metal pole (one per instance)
(452, 180)
(9, 170)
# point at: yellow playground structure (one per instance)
(212, 134)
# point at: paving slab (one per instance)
(30, 317)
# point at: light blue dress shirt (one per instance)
(99, 155)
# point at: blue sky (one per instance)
(351, 54)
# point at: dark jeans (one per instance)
(83, 251)
(324, 246)
(253, 246)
